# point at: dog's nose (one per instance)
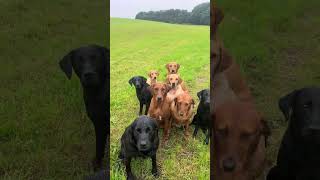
(172, 71)
(143, 144)
(228, 165)
(181, 114)
(155, 77)
(173, 84)
(159, 98)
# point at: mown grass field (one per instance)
(136, 47)
(44, 130)
(277, 45)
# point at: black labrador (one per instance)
(143, 92)
(298, 156)
(140, 139)
(90, 65)
(202, 118)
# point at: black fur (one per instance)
(140, 139)
(202, 118)
(143, 92)
(298, 157)
(90, 65)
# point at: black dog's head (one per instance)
(204, 97)
(302, 108)
(89, 63)
(144, 131)
(138, 81)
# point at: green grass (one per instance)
(277, 45)
(136, 47)
(44, 131)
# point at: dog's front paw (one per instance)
(155, 172)
(97, 164)
(130, 177)
(206, 141)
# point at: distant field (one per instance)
(44, 130)
(136, 47)
(277, 45)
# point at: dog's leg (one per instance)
(167, 126)
(141, 107)
(195, 132)
(206, 141)
(127, 162)
(147, 108)
(186, 131)
(154, 166)
(101, 138)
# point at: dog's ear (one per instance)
(180, 80)
(144, 80)
(131, 81)
(167, 66)
(149, 74)
(66, 64)
(192, 103)
(216, 16)
(178, 66)
(167, 88)
(175, 100)
(157, 73)
(131, 131)
(265, 130)
(105, 52)
(286, 103)
(199, 94)
(167, 80)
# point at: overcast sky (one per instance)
(129, 8)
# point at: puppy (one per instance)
(202, 118)
(182, 111)
(298, 156)
(240, 136)
(140, 139)
(90, 65)
(174, 82)
(143, 92)
(153, 75)
(160, 108)
(172, 68)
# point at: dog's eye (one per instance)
(139, 130)
(162, 89)
(187, 104)
(170, 66)
(170, 79)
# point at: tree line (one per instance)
(200, 15)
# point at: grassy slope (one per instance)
(277, 45)
(137, 47)
(44, 132)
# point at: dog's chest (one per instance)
(222, 91)
(173, 93)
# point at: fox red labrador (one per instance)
(160, 108)
(240, 136)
